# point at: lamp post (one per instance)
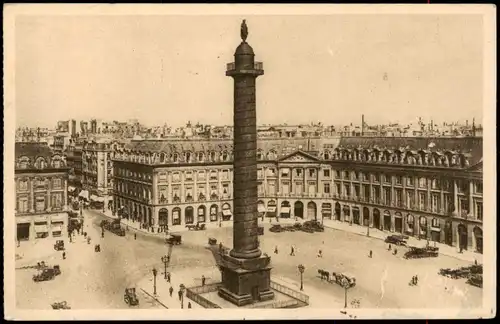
(301, 270)
(182, 288)
(345, 285)
(368, 228)
(155, 272)
(165, 260)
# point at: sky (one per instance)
(171, 69)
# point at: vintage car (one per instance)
(59, 246)
(314, 225)
(475, 280)
(418, 253)
(276, 228)
(397, 239)
(212, 241)
(47, 274)
(60, 305)
(307, 229)
(174, 239)
(130, 297)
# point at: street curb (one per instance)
(154, 298)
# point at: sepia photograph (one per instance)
(196, 162)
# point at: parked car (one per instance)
(47, 274)
(60, 305)
(276, 228)
(397, 239)
(59, 246)
(174, 239)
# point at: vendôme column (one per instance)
(244, 72)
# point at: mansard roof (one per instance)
(32, 150)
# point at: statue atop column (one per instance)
(244, 31)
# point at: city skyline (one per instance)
(396, 65)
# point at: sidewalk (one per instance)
(188, 277)
(135, 226)
(451, 251)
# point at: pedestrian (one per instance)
(168, 276)
(19, 244)
(189, 304)
(203, 280)
(320, 254)
(220, 247)
(390, 247)
(64, 255)
(412, 282)
(102, 234)
(395, 251)
(292, 251)
(180, 295)
(475, 260)
(371, 253)
(276, 249)
(416, 280)
(135, 236)
(171, 291)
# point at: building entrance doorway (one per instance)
(398, 223)
(462, 237)
(337, 211)
(298, 209)
(23, 232)
(478, 234)
(376, 218)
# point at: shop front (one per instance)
(285, 209)
(261, 209)
(326, 210)
(226, 212)
(271, 209)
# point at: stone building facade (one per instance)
(41, 179)
(430, 188)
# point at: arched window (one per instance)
(188, 157)
(212, 156)
(224, 156)
(200, 157)
(176, 157)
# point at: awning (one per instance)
(285, 210)
(271, 209)
(226, 212)
(84, 194)
(56, 228)
(261, 208)
(436, 229)
(41, 228)
(71, 188)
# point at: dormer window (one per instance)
(200, 157)
(212, 156)
(188, 157)
(176, 157)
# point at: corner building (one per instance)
(41, 179)
(429, 188)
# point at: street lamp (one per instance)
(181, 289)
(165, 260)
(155, 272)
(301, 270)
(368, 229)
(345, 285)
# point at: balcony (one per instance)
(256, 69)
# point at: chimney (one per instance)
(466, 122)
(473, 127)
(362, 125)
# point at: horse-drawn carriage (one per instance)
(197, 227)
(342, 279)
(130, 297)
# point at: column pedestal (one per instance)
(246, 281)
